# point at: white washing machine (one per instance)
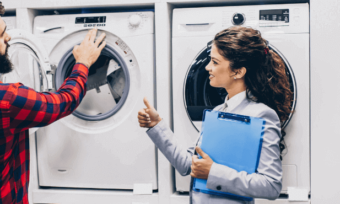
(286, 27)
(101, 144)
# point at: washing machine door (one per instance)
(199, 95)
(30, 62)
(108, 82)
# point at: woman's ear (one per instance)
(240, 73)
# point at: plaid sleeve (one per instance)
(29, 108)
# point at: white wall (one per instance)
(325, 97)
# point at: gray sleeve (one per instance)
(165, 141)
(267, 181)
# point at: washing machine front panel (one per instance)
(191, 32)
(50, 29)
(209, 21)
(113, 152)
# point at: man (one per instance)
(22, 108)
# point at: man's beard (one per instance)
(6, 65)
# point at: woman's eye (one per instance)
(214, 62)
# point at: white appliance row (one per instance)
(101, 145)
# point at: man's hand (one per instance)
(88, 51)
(200, 168)
(148, 117)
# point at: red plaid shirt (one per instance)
(22, 108)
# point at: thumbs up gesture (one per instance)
(148, 117)
(200, 168)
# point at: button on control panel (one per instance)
(238, 19)
(137, 20)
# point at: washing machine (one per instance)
(100, 145)
(286, 27)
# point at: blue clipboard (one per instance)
(231, 140)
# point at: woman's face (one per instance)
(220, 74)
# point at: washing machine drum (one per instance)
(107, 86)
(199, 95)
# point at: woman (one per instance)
(257, 85)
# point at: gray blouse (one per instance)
(265, 183)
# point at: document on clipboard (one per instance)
(231, 140)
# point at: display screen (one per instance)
(92, 19)
(275, 15)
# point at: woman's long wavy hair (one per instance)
(266, 77)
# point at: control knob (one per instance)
(238, 19)
(135, 20)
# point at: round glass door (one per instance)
(199, 95)
(107, 86)
(27, 68)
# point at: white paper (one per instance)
(295, 194)
(142, 188)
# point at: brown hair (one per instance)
(2, 9)
(266, 77)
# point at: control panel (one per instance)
(92, 21)
(135, 21)
(274, 17)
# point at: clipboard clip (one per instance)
(241, 118)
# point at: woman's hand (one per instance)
(200, 168)
(88, 51)
(148, 117)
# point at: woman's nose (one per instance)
(208, 66)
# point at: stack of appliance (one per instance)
(286, 27)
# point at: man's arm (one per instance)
(29, 108)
